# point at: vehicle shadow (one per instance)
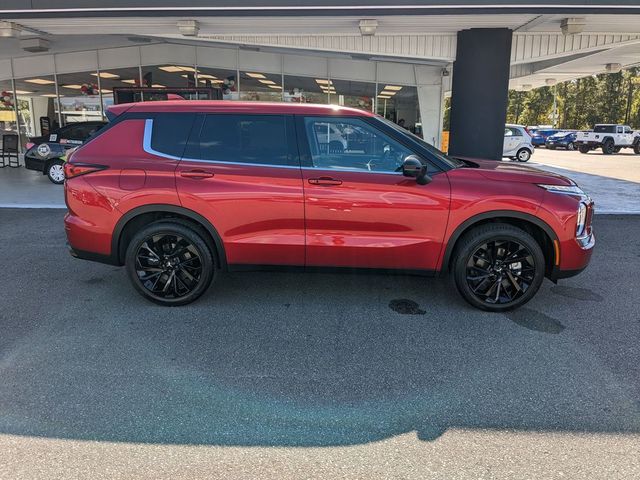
(277, 359)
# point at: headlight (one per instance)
(563, 189)
(581, 221)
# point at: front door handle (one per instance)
(326, 181)
(196, 174)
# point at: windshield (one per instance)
(443, 157)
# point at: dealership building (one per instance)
(63, 62)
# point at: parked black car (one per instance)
(47, 153)
(72, 134)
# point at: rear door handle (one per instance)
(196, 174)
(326, 181)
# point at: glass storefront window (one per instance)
(117, 78)
(79, 97)
(352, 94)
(36, 100)
(260, 87)
(399, 103)
(221, 78)
(306, 89)
(8, 121)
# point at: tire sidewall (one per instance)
(170, 228)
(521, 151)
(473, 241)
(52, 164)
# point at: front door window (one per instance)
(352, 144)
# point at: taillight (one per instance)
(29, 145)
(76, 169)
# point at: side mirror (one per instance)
(414, 168)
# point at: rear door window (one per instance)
(248, 139)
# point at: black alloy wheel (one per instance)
(608, 147)
(169, 263)
(498, 267)
(584, 149)
(571, 146)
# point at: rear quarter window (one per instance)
(170, 132)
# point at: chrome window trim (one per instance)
(146, 146)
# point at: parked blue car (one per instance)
(561, 140)
(539, 137)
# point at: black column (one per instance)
(479, 93)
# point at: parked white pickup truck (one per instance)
(611, 138)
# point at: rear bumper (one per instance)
(92, 256)
(589, 143)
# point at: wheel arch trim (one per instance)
(166, 208)
(470, 222)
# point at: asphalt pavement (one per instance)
(307, 375)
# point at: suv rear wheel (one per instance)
(498, 267)
(584, 149)
(169, 263)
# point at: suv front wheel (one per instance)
(169, 263)
(498, 267)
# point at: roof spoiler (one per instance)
(116, 110)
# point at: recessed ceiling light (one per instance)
(40, 81)
(204, 82)
(104, 90)
(105, 75)
(23, 92)
(392, 87)
(277, 87)
(255, 75)
(386, 92)
(130, 81)
(157, 85)
(267, 82)
(50, 95)
(206, 75)
(321, 81)
(72, 87)
(384, 96)
(171, 68)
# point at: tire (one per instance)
(501, 241)
(617, 149)
(170, 263)
(584, 149)
(608, 147)
(55, 171)
(571, 146)
(636, 148)
(523, 155)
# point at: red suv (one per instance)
(180, 190)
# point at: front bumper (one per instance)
(36, 164)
